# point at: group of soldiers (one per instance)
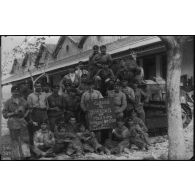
(54, 119)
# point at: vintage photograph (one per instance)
(97, 97)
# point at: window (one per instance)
(67, 48)
(164, 66)
(149, 66)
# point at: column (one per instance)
(158, 66)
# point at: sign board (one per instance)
(101, 114)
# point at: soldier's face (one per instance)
(72, 94)
(72, 121)
(56, 89)
(15, 94)
(38, 88)
(124, 84)
(130, 123)
(105, 66)
(103, 50)
(46, 89)
(135, 85)
(44, 126)
(116, 88)
(120, 123)
(96, 50)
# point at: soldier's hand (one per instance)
(113, 131)
(10, 114)
(35, 123)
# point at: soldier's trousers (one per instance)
(19, 144)
(139, 142)
(117, 146)
(140, 113)
(75, 146)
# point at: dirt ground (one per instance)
(157, 151)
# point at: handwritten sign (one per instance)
(101, 114)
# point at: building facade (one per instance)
(151, 54)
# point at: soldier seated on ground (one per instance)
(137, 120)
(120, 138)
(44, 141)
(89, 141)
(138, 136)
(60, 136)
(74, 144)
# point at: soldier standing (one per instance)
(37, 102)
(56, 106)
(138, 105)
(119, 100)
(15, 110)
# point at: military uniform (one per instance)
(74, 144)
(130, 96)
(137, 136)
(119, 141)
(120, 102)
(90, 143)
(54, 101)
(138, 105)
(72, 106)
(94, 65)
(37, 103)
(124, 74)
(18, 127)
(105, 59)
(102, 77)
(44, 142)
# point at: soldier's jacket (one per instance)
(137, 133)
(119, 99)
(105, 73)
(12, 105)
(124, 74)
(120, 140)
(45, 138)
(72, 103)
(105, 59)
(141, 124)
(94, 59)
(89, 140)
(121, 134)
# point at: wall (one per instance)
(73, 49)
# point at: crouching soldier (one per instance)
(89, 141)
(44, 141)
(60, 136)
(137, 135)
(139, 121)
(120, 138)
(74, 143)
